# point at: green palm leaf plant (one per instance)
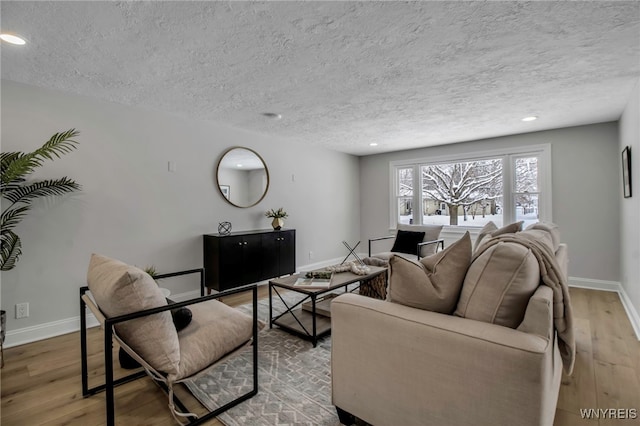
(21, 192)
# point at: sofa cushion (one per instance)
(407, 242)
(498, 285)
(120, 289)
(434, 282)
(431, 232)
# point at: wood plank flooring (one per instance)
(40, 383)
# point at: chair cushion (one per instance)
(120, 289)
(215, 330)
(499, 284)
(407, 242)
(434, 282)
(431, 232)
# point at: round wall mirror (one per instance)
(243, 178)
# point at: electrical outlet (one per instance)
(22, 310)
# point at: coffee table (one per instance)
(310, 324)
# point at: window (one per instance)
(502, 187)
(404, 195)
(526, 194)
(469, 189)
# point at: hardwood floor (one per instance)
(40, 383)
(607, 370)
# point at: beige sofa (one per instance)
(394, 364)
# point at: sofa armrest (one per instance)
(393, 364)
(538, 318)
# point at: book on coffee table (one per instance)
(305, 282)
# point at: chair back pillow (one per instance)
(121, 289)
(407, 242)
(434, 282)
(431, 232)
(499, 284)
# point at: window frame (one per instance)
(509, 155)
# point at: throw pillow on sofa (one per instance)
(498, 285)
(491, 230)
(551, 228)
(434, 282)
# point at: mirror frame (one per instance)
(266, 169)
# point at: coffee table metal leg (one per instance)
(270, 307)
(313, 320)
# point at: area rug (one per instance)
(293, 378)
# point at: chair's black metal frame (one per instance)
(109, 324)
(439, 241)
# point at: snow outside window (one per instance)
(501, 187)
(404, 195)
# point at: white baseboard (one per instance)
(591, 284)
(613, 286)
(69, 325)
(47, 330)
(324, 263)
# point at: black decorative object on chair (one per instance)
(407, 241)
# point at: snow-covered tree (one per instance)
(527, 183)
(462, 184)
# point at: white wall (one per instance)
(133, 209)
(585, 173)
(630, 207)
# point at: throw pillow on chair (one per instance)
(407, 242)
(181, 318)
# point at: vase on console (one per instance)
(278, 218)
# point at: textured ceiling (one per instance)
(342, 74)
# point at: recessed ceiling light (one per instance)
(530, 118)
(272, 115)
(13, 39)
(373, 144)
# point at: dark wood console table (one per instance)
(247, 257)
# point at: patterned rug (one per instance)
(293, 378)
